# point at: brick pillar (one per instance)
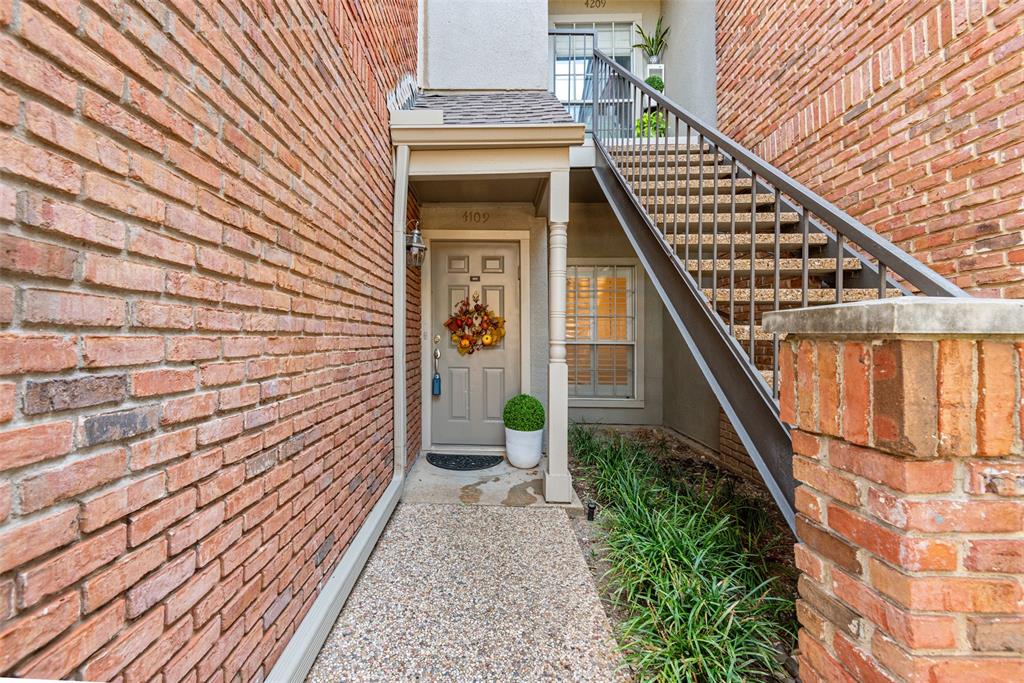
(908, 458)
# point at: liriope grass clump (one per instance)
(699, 604)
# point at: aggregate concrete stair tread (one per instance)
(741, 241)
(763, 220)
(693, 185)
(766, 266)
(741, 331)
(662, 143)
(723, 201)
(793, 295)
(650, 158)
(655, 171)
(666, 153)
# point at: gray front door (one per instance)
(474, 387)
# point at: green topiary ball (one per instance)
(656, 82)
(524, 413)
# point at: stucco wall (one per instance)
(690, 73)
(507, 216)
(689, 406)
(647, 11)
(675, 393)
(484, 45)
(594, 232)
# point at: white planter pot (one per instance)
(523, 448)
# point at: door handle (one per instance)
(435, 385)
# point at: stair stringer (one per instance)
(740, 392)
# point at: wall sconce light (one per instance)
(415, 247)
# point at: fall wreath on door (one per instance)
(474, 326)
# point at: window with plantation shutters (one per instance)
(601, 343)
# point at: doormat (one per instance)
(463, 463)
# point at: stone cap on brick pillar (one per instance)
(909, 315)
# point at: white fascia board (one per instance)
(423, 136)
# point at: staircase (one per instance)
(725, 237)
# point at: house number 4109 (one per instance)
(475, 216)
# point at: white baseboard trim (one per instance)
(301, 651)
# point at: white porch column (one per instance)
(557, 483)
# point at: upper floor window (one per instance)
(614, 38)
(572, 61)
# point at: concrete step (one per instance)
(650, 172)
(788, 242)
(694, 186)
(742, 332)
(709, 202)
(766, 266)
(793, 296)
(763, 220)
(646, 156)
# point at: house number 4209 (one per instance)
(594, 4)
(475, 216)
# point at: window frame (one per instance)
(635, 18)
(639, 351)
(636, 55)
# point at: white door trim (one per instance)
(426, 324)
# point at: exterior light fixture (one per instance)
(415, 246)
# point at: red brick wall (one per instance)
(195, 341)
(732, 455)
(909, 455)
(909, 115)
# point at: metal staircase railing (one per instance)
(725, 236)
(647, 138)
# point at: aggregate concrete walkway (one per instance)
(472, 593)
(502, 484)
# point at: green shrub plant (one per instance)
(687, 567)
(524, 413)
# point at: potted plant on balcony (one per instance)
(651, 125)
(653, 44)
(524, 430)
(656, 82)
